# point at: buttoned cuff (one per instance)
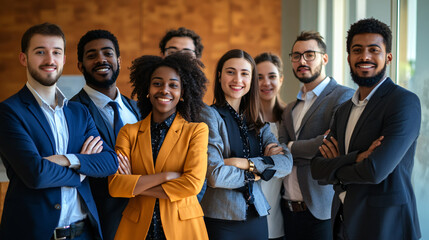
(74, 161)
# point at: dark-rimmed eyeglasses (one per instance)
(172, 50)
(308, 56)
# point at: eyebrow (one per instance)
(370, 45)
(244, 69)
(103, 48)
(42, 47)
(171, 79)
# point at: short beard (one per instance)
(91, 81)
(47, 82)
(312, 78)
(368, 81)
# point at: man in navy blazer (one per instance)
(369, 154)
(99, 61)
(305, 203)
(49, 147)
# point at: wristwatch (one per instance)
(251, 166)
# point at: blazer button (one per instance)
(57, 206)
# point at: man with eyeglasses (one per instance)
(181, 40)
(305, 204)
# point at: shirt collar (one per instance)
(101, 100)
(167, 122)
(355, 98)
(317, 90)
(61, 98)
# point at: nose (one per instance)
(164, 89)
(237, 77)
(50, 59)
(101, 59)
(265, 81)
(365, 56)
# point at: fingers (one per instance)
(275, 151)
(375, 144)
(85, 144)
(124, 165)
(329, 148)
(92, 145)
(268, 147)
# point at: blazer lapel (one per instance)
(170, 141)
(145, 145)
(289, 120)
(33, 107)
(131, 106)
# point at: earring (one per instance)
(147, 96)
(181, 99)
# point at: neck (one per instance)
(311, 85)
(365, 91)
(109, 91)
(267, 108)
(235, 104)
(46, 92)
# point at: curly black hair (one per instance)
(192, 79)
(93, 35)
(370, 25)
(183, 32)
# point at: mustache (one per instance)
(365, 62)
(103, 65)
(48, 65)
(303, 66)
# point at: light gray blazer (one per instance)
(314, 124)
(221, 201)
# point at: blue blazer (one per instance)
(380, 201)
(109, 209)
(314, 124)
(33, 200)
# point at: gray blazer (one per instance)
(221, 201)
(314, 124)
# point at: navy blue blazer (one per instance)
(33, 200)
(380, 201)
(109, 209)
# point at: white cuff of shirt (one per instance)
(289, 145)
(74, 161)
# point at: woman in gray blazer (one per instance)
(242, 152)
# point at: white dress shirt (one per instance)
(71, 208)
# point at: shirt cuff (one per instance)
(82, 177)
(74, 161)
(289, 145)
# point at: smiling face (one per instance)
(308, 71)
(44, 59)
(235, 80)
(164, 92)
(100, 64)
(368, 59)
(270, 80)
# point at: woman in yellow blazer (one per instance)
(167, 152)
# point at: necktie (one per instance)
(117, 121)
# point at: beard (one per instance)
(50, 80)
(368, 81)
(91, 81)
(310, 79)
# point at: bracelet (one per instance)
(251, 166)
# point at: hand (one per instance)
(124, 167)
(241, 163)
(361, 156)
(92, 145)
(59, 159)
(327, 132)
(257, 177)
(273, 149)
(329, 148)
(172, 175)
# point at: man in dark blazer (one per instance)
(305, 203)
(99, 61)
(369, 154)
(49, 147)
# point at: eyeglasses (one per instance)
(172, 50)
(308, 56)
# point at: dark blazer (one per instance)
(33, 200)
(110, 209)
(380, 201)
(314, 124)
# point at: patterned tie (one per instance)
(117, 121)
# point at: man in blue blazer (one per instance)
(99, 61)
(49, 147)
(369, 154)
(305, 203)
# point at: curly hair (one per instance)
(310, 35)
(93, 35)
(183, 32)
(249, 104)
(192, 79)
(370, 25)
(276, 61)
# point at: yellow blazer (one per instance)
(184, 150)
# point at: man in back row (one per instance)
(181, 40)
(99, 61)
(49, 147)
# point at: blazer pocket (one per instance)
(133, 214)
(389, 199)
(191, 211)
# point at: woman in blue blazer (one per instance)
(242, 152)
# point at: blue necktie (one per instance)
(117, 121)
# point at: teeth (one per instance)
(164, 99)
(102, 70)
(237, 88)
(365, 66)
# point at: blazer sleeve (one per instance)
(100, 164)
(19, 152)
(282, 163)
(219, 175)
(401, 126)
(192, 179)
(123, 185)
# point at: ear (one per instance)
(23, 59)
(325, 59)
(281, 81)
(119, 63)
(64, 62)
(348, 59)
(389, 58)
(79, 66)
